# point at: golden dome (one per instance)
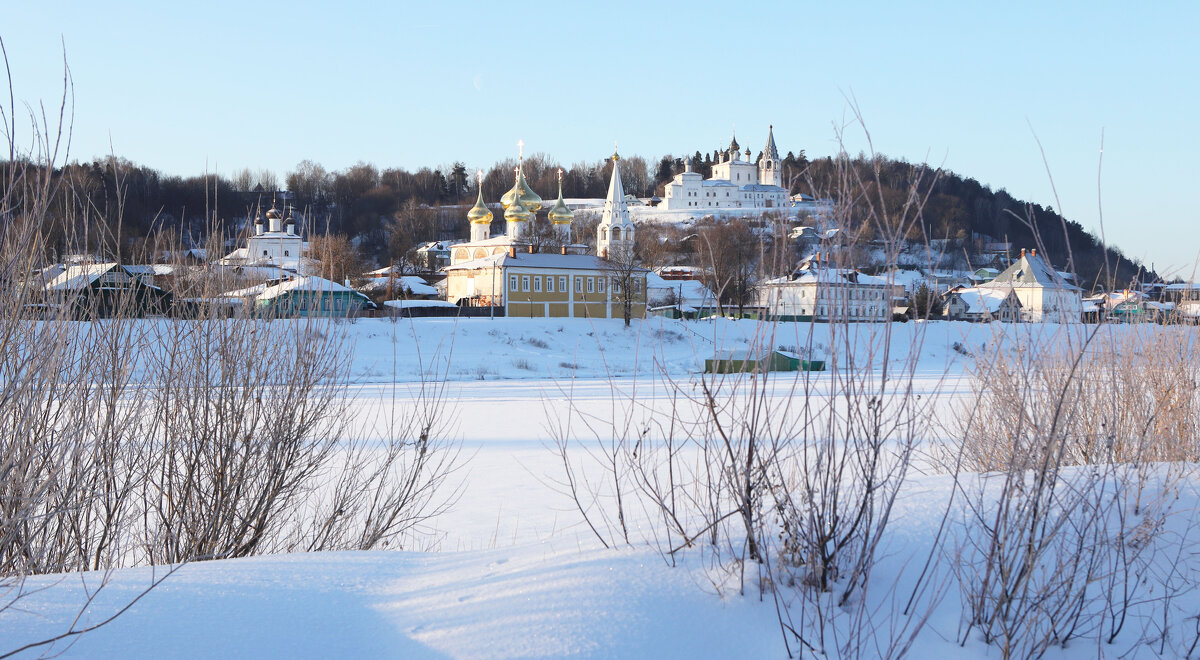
(479, 214)
(517, 212)
(529, 199)
(560, 214)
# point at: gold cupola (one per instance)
(480, 214)
(521, 189)
(560, 214)
(516, 212)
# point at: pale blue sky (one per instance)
(223, 85)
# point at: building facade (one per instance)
(736, 183)
(828, 294)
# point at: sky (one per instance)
(188, 88)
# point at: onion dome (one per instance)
(733, 145)
(517, 212)
(479, 214)
(560, 214)
(529, 199)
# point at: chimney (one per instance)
(532, 249)
(564, 249)
(512, 251)
(1022, 253)
(1035, 252)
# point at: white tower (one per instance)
(615, 232)
(769, 171)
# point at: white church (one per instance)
(736, 183)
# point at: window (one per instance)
(600, 285)
(512, 282)
(537, 284)
(616, 287)
(524, 282)
(264, 253)
(591, 284)
(285, 253)
(550, 284)
(578, 284)
(562, 283)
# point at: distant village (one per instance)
(522, 274)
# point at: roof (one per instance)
(414, 284)
(762, 187)
(979, 300)
(538, 260)
(270, 290)
(151, 269)
(79, 276)
(1030, 271)
(831, 276)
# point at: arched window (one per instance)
(616, 234)
(603, 234)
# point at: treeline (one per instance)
(961, 210)
(387, 212)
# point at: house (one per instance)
(1186, 296)
(827, 294)
(982, 305)
(532, 284)
(678, 297)
(389, 282)
(104, 289)
(984, 275)
(1044, 295)
(433, 255)
(301, 295)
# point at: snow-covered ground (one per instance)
(512, 571)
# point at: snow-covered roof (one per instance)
(762, 187)
(305, 283)
(686, 292)
(980, 300)
(832, 276)
(270, 290)
(538, 260)
(151, 269)
(78, 276)
(412, 283)
(1183, 286)
(1030, 271)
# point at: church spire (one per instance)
(615, 229)
(770, 151)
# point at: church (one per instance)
(506, 271)
(736, 183)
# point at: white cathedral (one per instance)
(736, 183)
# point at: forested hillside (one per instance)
(387, 212)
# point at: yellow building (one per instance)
(505, 271)
(533, 285)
